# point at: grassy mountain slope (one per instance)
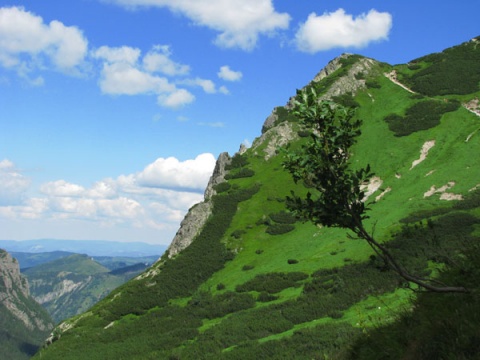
(70, 285)
(256, 283)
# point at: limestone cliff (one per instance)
(24, 323)
(199, 213)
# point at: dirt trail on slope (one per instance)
(392, 76)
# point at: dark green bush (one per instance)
(283, 217)
(453, 71)
(220, 286)
(279, 229)
(372, 84)
(242, 173)
(346, 100)
(303, 133)
(237, 162)
(292, 261)
(420, 116)
(266, 297)
(222, 187)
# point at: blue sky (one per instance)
(113, 112)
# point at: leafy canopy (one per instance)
(323, 164)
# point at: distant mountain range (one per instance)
(89, 247)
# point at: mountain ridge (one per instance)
(255, 282)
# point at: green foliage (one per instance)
(272, 282)
(421, 116)
(242, 173)
(181, 277)
(438, 327)
(323, 163)
(222, 187)
(372, 84)
(238, 161)
(279, 229)
(283, 115)
(266, 297)
(346, 100)
(453, 71)
(204, 305)
(283, 217)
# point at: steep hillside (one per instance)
(24, 325)
(244, 279)
(71, 285)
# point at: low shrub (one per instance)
(420, 116)
(279, 229)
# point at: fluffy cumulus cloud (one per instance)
(25, 40)
(13, 183)
(158, 60)
(155, 198)
(126, 72)
(239, 22)
(338, 29)
(228, 74)
(172, 173)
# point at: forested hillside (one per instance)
(256, 282)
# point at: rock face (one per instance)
(14, 291)
(199, 213)
(345, 84)
(25, 324)
(350, 83)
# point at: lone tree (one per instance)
(323, 164)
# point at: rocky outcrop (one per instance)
(218, 175)
(198, 214)
(274, 138)
(350, 83)
(270, 121)
(25, 324)
(15, 295)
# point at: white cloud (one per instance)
(228, 74)
(239, 22)
(338, 29)
(172, 173)
(124, 79)
(61, 188)
(13, 183)
(207, 85)
(122, 74)
(176, 99)
(123, 54)
(152, 200)
(25, 39)
(158, 60)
